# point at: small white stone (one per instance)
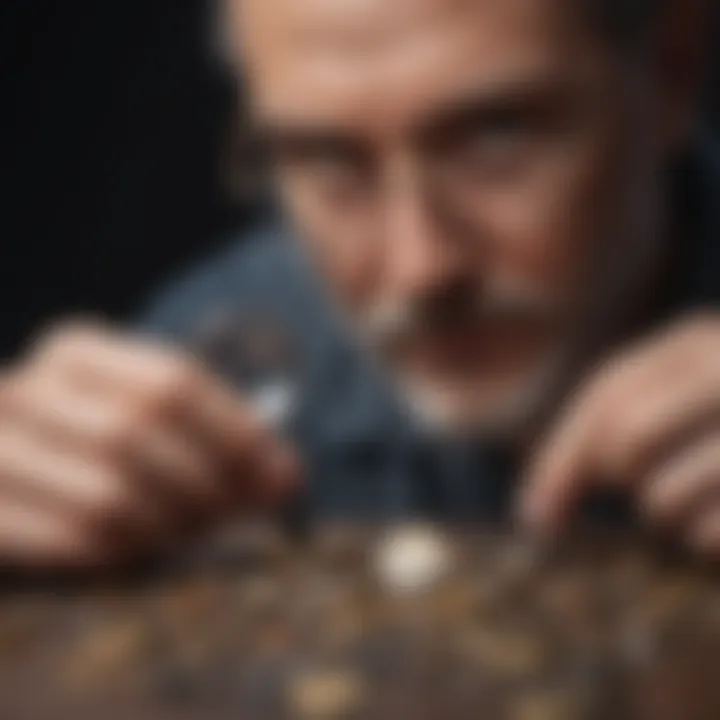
(412, 559)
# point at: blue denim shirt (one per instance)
(365, 460)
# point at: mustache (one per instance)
(396, 319)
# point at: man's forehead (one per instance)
(347, 52)
(357, 24)
(368, 27)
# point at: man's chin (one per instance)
(491, 409)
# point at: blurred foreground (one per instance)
(455, 625)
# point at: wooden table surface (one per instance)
(258, 627)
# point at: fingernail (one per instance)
(704, 538)
(285, 468)
(532, 514)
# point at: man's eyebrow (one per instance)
(539, 96)
(287, 138)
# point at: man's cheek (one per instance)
(552, 226)
(344, 259)
(535, 245)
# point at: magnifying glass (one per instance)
(257, 353)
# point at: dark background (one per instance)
(115, 119)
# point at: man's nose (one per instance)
(422, 254)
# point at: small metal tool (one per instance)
(257, 354)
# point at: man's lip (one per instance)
(469, 342)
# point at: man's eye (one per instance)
(495, 152)
(335, 177)
(331, 168)
(499, 140)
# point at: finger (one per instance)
(684, 484)
(31, 536)
(570, 459)
(91, 355)
(86, 491)
(704, 532)
(622, 427)
(79, 417)
(562, 467)
(175, 388)
(258, 465)
(157, 457)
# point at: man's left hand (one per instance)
(648, 421)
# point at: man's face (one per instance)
(475, 178)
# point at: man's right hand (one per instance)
(111, 447)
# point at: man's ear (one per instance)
(682, 42)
